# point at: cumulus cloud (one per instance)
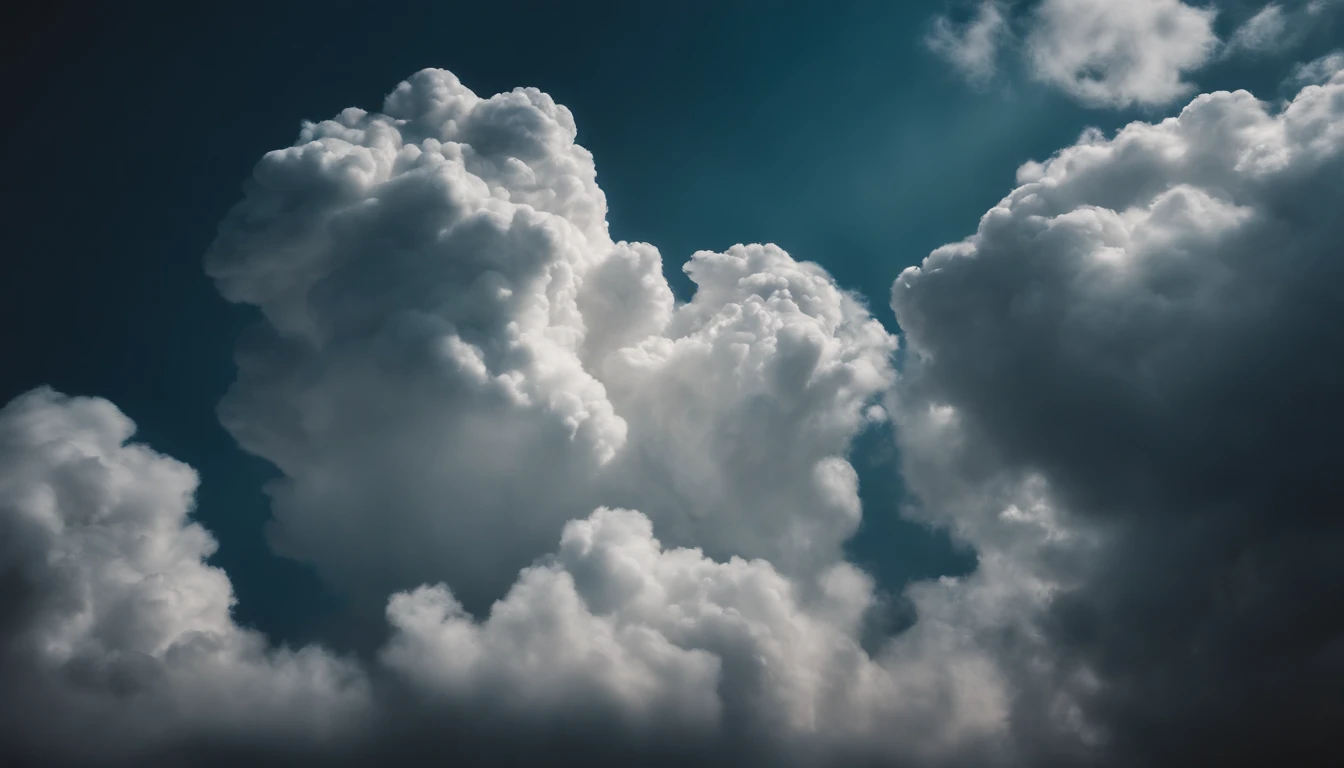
(972, 48)
(456, 358)
(665, 637)
(114, 627)
(1101, 53)
(117, 629)
(1119, 54)
(418, 373)
(1120, 389)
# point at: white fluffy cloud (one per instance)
(457, 359)
(420, 374)
(672, 638)
(1117, 54)
(1102, 53)
(1121, 390)
(121, 631)
(115, 627)
(742, 410)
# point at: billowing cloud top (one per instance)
(457, 358)
(605, 526)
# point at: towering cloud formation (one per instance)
(1120, 390)
(1123, 385)
(457, 359)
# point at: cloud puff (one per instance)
(419, 373)
(1103, 54)
(972, 48)
(114, 627)
(742, 410)
(1120, 390)
(456, 358)
(1118, 54)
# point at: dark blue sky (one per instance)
(824, 127)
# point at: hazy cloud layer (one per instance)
(973, 48)
(1278, 27)
(605, 528)
(1318, 71)
(118, 631)
(1265, 32)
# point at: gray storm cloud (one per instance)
(1123, 388)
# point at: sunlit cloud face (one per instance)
(457, 359)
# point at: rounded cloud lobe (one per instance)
(611, 523)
